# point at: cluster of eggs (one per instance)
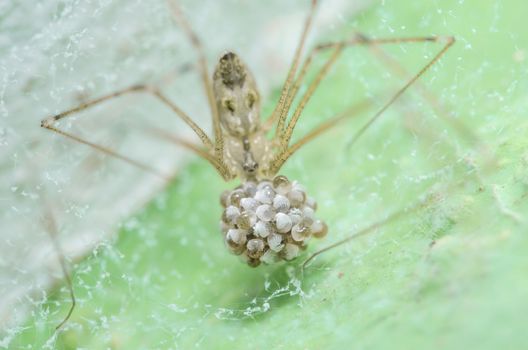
(269, 220)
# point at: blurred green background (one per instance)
(452, 276)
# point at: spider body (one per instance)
(246, 149)
(264, 220)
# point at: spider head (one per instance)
(236, 96)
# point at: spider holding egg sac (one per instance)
(267, 218)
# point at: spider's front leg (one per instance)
(51, 123)
(51, 228)
(284, 134)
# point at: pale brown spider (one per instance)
(266, 218)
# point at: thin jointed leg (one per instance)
(50, 124)
(204, 74)
(52, 230)
(286, 135)
(350, 43)
(449, 42)
(221, 168)
(280, 110)
(417, 206)
(350, 112)
(426, 94)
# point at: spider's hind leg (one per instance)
(51, 229)
(429, 198)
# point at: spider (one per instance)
(267, 218)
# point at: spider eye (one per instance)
(251, 99)
(229, 104)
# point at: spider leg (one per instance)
(280, 109)
(204, 74)
(220, 167)
(50, 124)
(417, 206)
(320, 129)
(285, 135)
(52, 230)
(359, 40)
(449, 41)
(426, 94)
(290, 96)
